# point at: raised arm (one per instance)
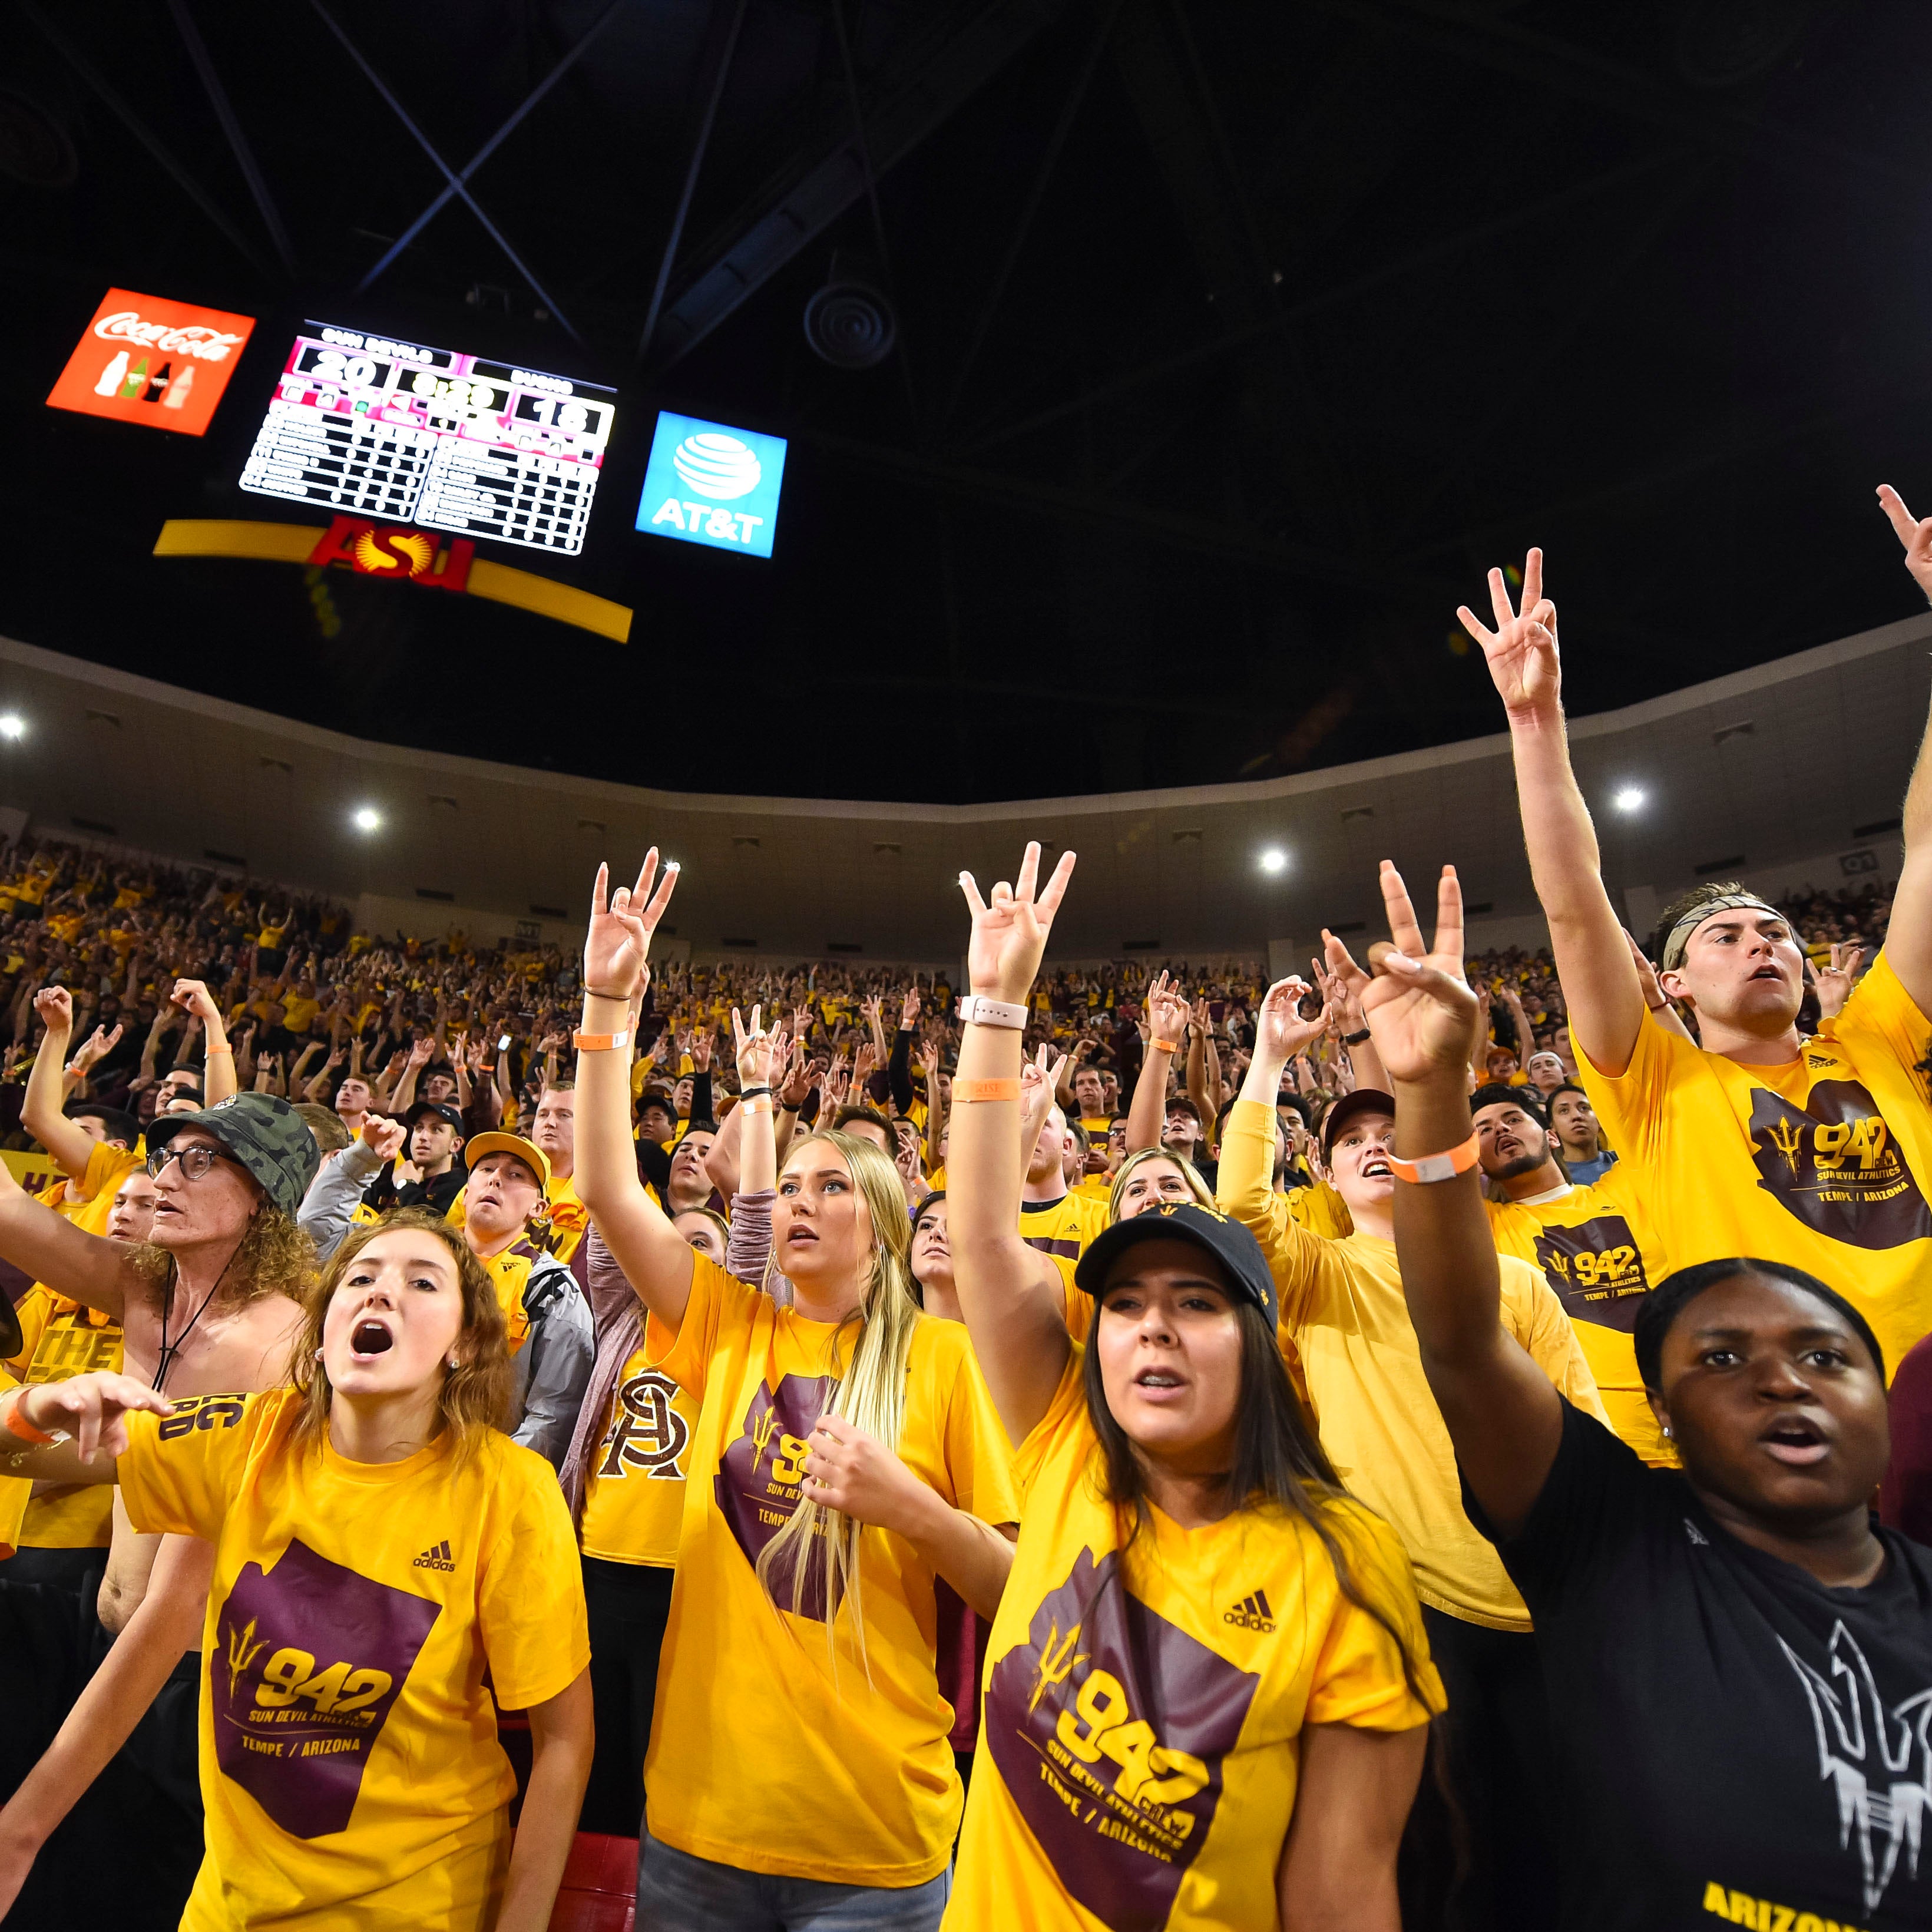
(935, 1108)
(1908, 943)
(1016, 1311)
(40, 1110)
(1601, 984)
(1168, 1016)
(656, 1260)
(1504, 1417)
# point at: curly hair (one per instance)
(475, 1396)
(273, 1257)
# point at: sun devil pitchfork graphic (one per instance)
(1879, 1762)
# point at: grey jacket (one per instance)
(553, 1365)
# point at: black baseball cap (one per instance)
(440, 1109)
(1230, 1243)
(1363, 1100)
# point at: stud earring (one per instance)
(1666, 1432)
(451, 1362)
(318, 1354)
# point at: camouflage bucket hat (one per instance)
(265, 1134)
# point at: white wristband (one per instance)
(977, 1010)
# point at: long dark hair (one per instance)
(1278, 1464)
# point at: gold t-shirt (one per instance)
(1821, 1163)
(1343, 1314)
(1140, 1741)
(59, 1340)
(827, 1765)
(360, 1617)
(633, 1486)
(1599, 1251)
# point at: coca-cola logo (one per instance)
(204, 344)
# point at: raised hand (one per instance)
(1834, 983)
(1280, 1031)
(754, 1049)
(422, 1052)
(1521, 651)
(619, 939)
(1010, 932)
(55, 1005)
(909, 1009)
(1418, 1006)
(1914, 534)
(384, 1136)
(804, 1076)
(1168, 1013)
(97, 1046)
(702, 1041)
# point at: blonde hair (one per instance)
(1197, 1185)
(870, 1390)
(475, 1396)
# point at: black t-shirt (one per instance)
(1738, 1742)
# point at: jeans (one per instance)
(678, 1893)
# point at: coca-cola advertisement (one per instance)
(143, 359)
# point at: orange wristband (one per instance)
(598, 1042)
(760, 1104)
(18, 1425)
(1436, 1166)
(1160, 1046)
(986, 1090)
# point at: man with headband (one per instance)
(1753, 1140)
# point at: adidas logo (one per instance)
(1252, 1613)
(437, 1559)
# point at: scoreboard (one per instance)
(362, 424)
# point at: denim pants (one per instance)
(679, 1893)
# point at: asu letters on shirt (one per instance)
(634, 1487)
(350, 1765)
(1822, 1163)
(1140, 1739)
(769, 1752)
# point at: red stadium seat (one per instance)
(599, 1890)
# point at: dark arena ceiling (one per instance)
(1233, 339)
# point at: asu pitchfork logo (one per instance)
(1878, 1762)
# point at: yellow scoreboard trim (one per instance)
(298, 543)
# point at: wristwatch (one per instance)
(978, 1010)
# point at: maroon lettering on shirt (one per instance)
(758, 1484)
(1109, 1725)
(309, 1659)
(1835, 1165)
(1596, 1270)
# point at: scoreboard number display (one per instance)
(362, 424)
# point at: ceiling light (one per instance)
(1629, 798)
(367, 818)
(1274, 859)
(12, 725)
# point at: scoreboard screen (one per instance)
(364, 425)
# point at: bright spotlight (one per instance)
(1629, 798)
(12, 725)
(368, 819)
(1274, 859)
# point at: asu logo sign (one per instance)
(401, 553)
(386, 549)
(1597, 1269)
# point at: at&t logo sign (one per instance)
(709, 484)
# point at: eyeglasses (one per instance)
(195, 1159)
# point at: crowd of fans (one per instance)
(773, 1412)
